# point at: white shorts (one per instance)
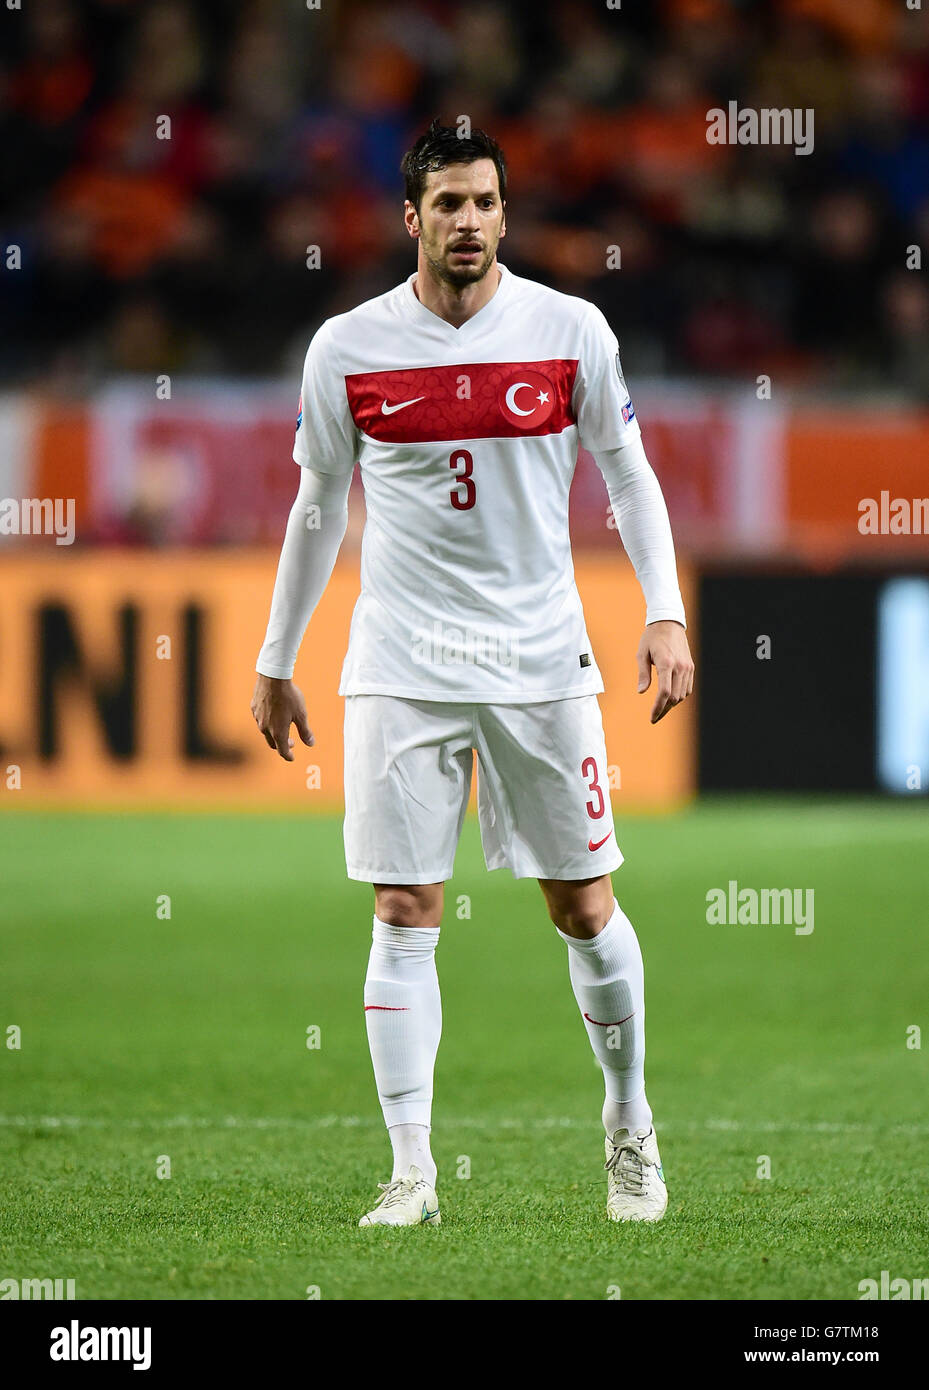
(543, 788)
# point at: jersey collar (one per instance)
(419, 310)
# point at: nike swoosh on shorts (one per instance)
(592, 846)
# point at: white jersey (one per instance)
(467, 440)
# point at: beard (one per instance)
(458, 276)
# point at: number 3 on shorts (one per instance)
(589, 770)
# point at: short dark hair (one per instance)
(442, 145)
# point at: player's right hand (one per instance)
(276, 704)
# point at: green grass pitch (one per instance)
(143, 1038)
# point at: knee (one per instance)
(419, 905)
(579, 909)
(581, 921)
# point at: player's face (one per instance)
(460, 221)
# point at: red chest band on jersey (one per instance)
(481, 400)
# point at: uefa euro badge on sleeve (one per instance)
(628, 408)
(619, 373)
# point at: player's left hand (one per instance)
(664, 645)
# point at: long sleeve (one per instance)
(315, 529)
(642, 518)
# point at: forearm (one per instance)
(644, 527)
(314, 533)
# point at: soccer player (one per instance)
(464, 393)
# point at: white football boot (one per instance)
(636, 1188)
(408, 1201)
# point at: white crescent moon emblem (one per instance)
(511, 398)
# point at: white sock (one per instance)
(609, 986)
(410, 1144)
(403, 1015)
(634, 1115)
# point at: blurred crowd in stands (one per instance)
(288, 124)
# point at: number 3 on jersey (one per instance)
(463, 460)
